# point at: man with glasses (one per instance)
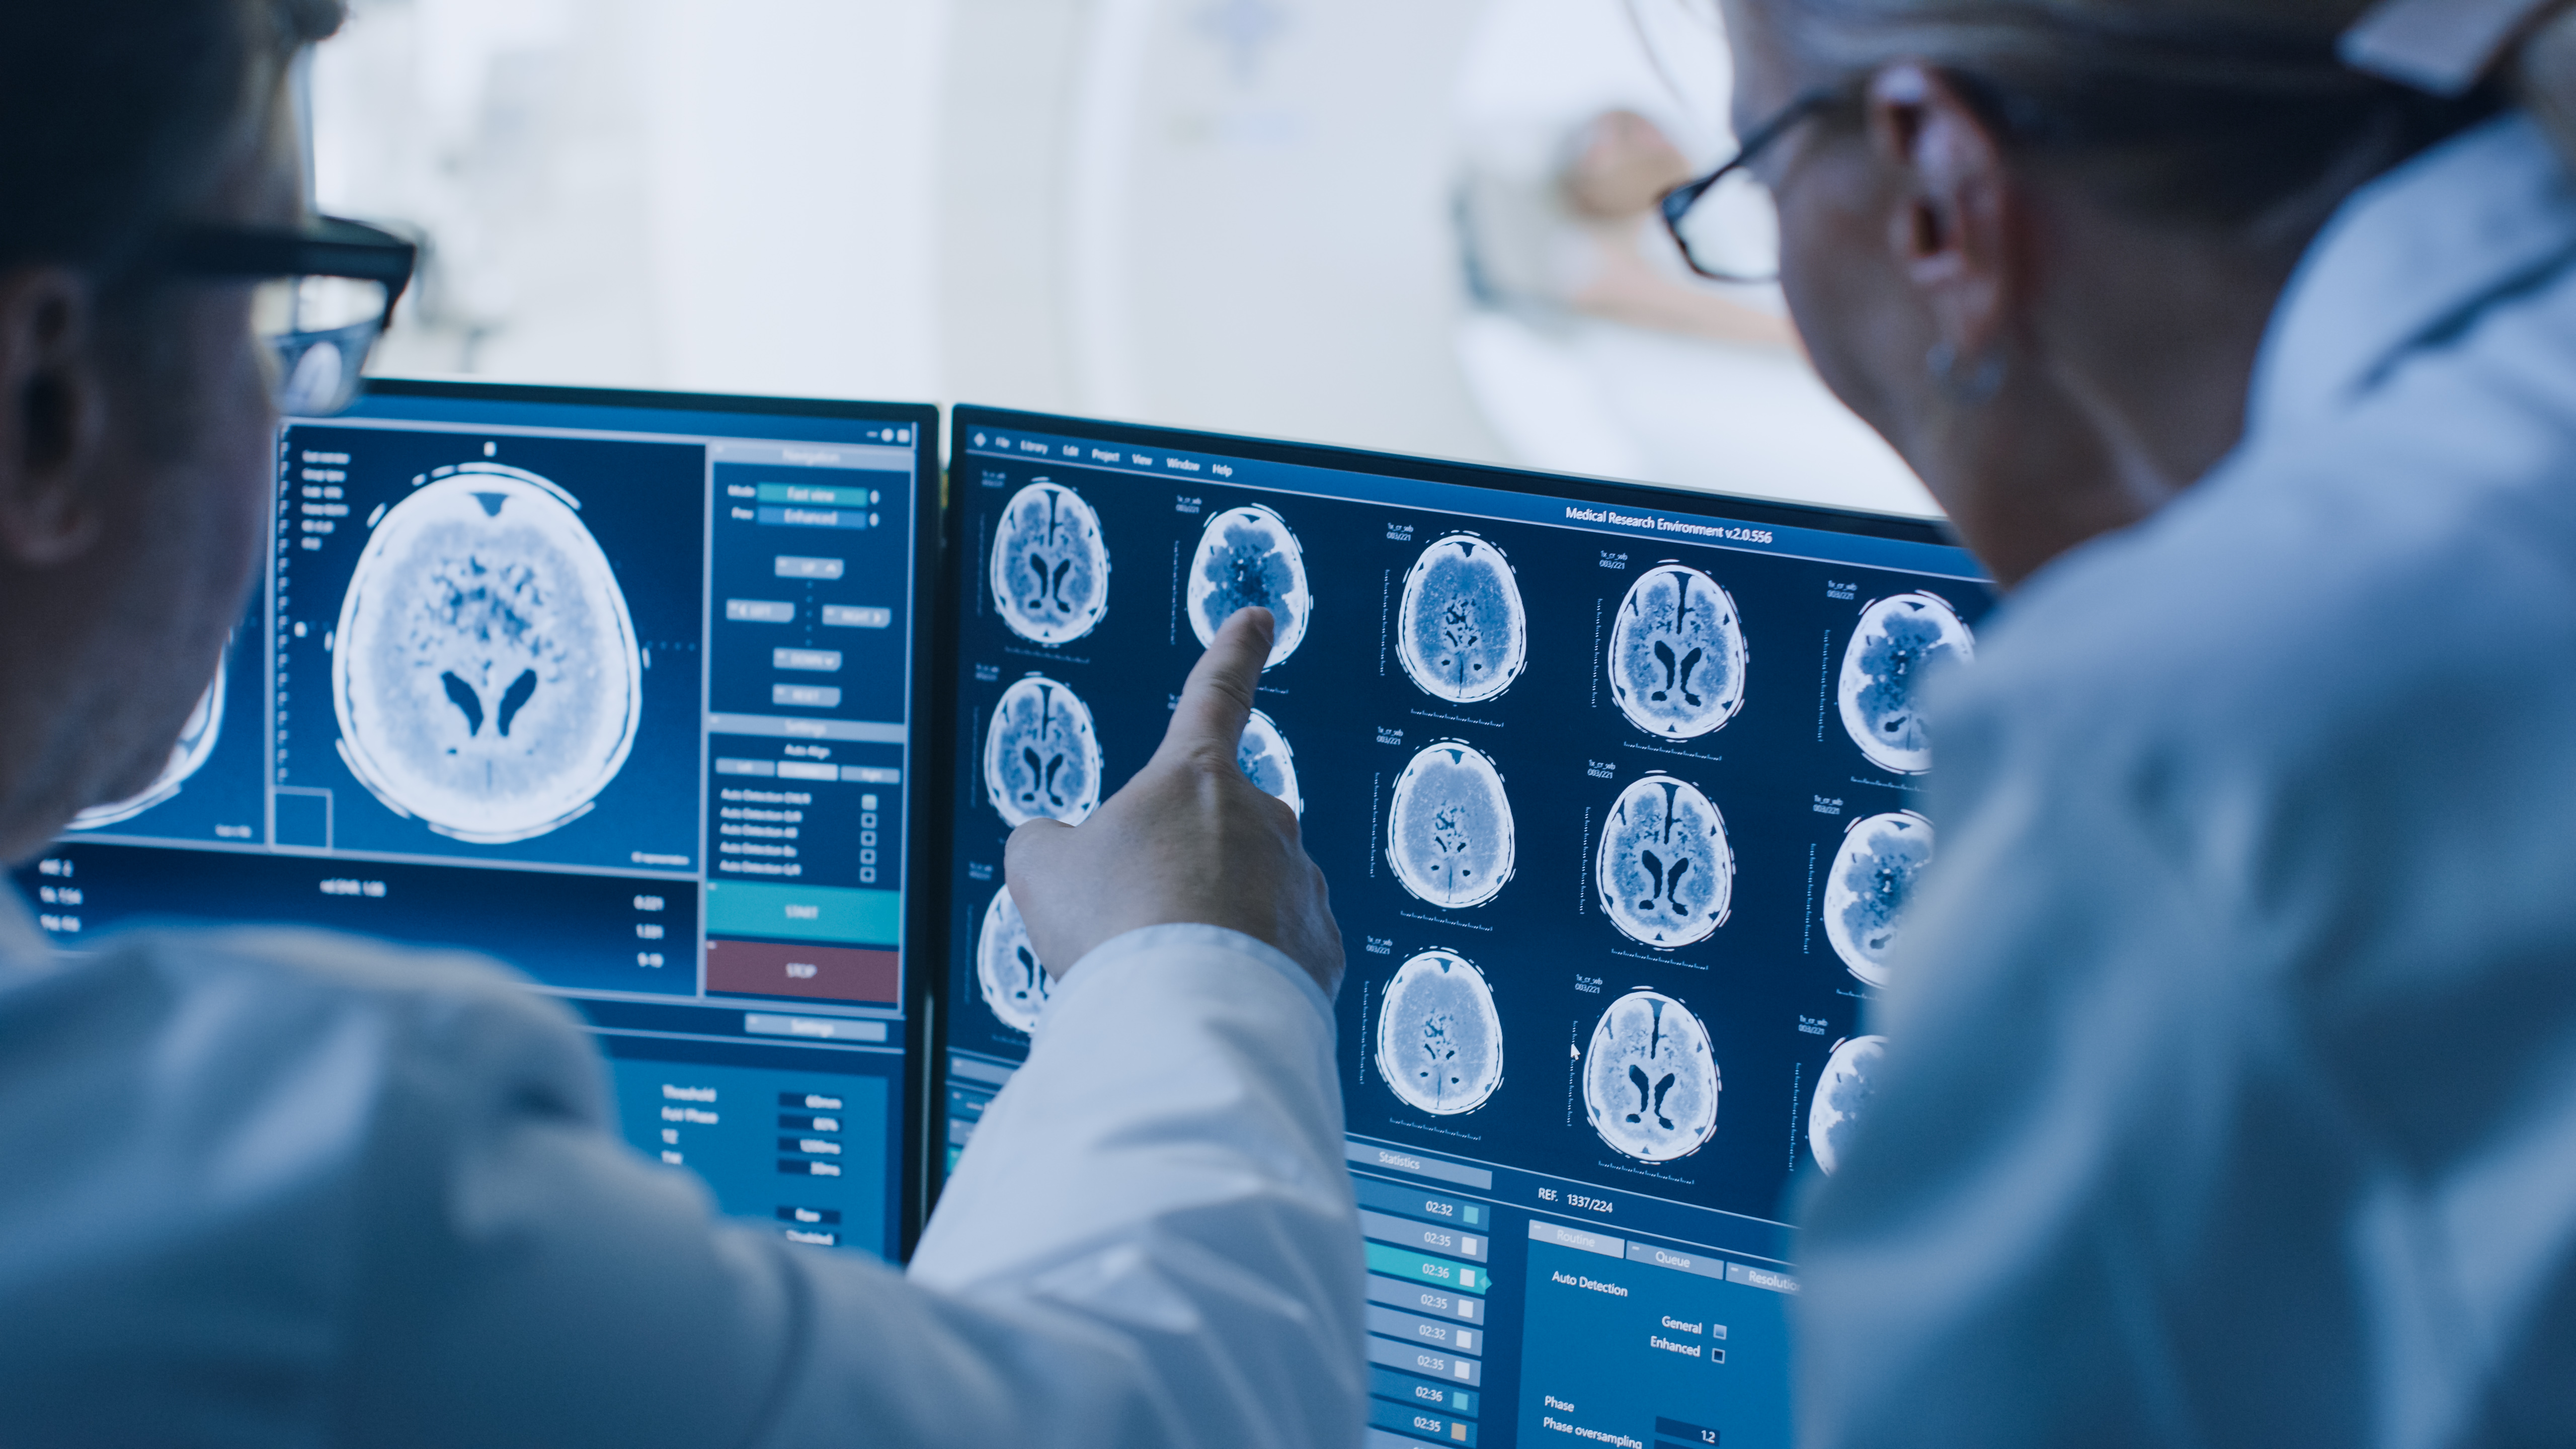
(270, 1187)
(325, 293)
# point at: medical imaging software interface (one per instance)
(1620, 806)
(615, 693)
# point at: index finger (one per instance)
(1218, 697)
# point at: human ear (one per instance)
(1951, 230)
(51, 416)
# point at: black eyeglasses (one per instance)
(1726, 222)
(326, 292)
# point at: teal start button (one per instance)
(804, 913)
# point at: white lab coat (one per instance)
(2232, 1090)
(275, 1188)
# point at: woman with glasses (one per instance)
(2232, 1089)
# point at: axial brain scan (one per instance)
(1898, 641)
(1650, 1083)
(1462, 633)
(485, 670)
(1040, 755)
(1677, 654)
(1865, 893)
(1267, 761)
(1015, 985)
(1449, 827)
(1665, 872)
(196, 741)
(1247, 557)
(1439, 1039)
(1842, 1095)
(1050, 567)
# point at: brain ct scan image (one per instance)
(1842, 1095)
(1677, 654)
(196, 742)
(1247, 557)
(1267, 760)
(1439, 1039)
(1865, 894)
(1050, 567)
(1650, 1082)
(1015, 985)
(1040, 755)
(485, 670)
(1449, 827)
(1462, 633)
(1898, 640)
(1665, 872)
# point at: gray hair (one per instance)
(118, 114)
(2234, 113)
(2544, 76)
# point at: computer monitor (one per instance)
(1617, 790)
(616, 687)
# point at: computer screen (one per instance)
(617, 688)
(1618, 794)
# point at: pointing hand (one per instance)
(1189, 839)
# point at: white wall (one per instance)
(662, 193)
(795, 168)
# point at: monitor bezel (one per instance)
(922, 989)
(965, 418)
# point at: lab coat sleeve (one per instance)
(1963, 1272)
(1151, 1239)
(2085, 1203)
(1152, 1242)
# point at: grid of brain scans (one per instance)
(1620, 803)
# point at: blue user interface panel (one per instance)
(1617, 790)
(615, 688)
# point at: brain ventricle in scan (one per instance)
(1040, 755)
(1842, 1096)
(1867, 890)
(1006, 966)
(1898, 641)
(1650, 1081)
(1050, 568)
(1439, 1038)
(1677, 657)
(1449, 827)
(1247, 558)
(485, 670)
(1665, 872)
(1461, 632)
(1267, 760)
